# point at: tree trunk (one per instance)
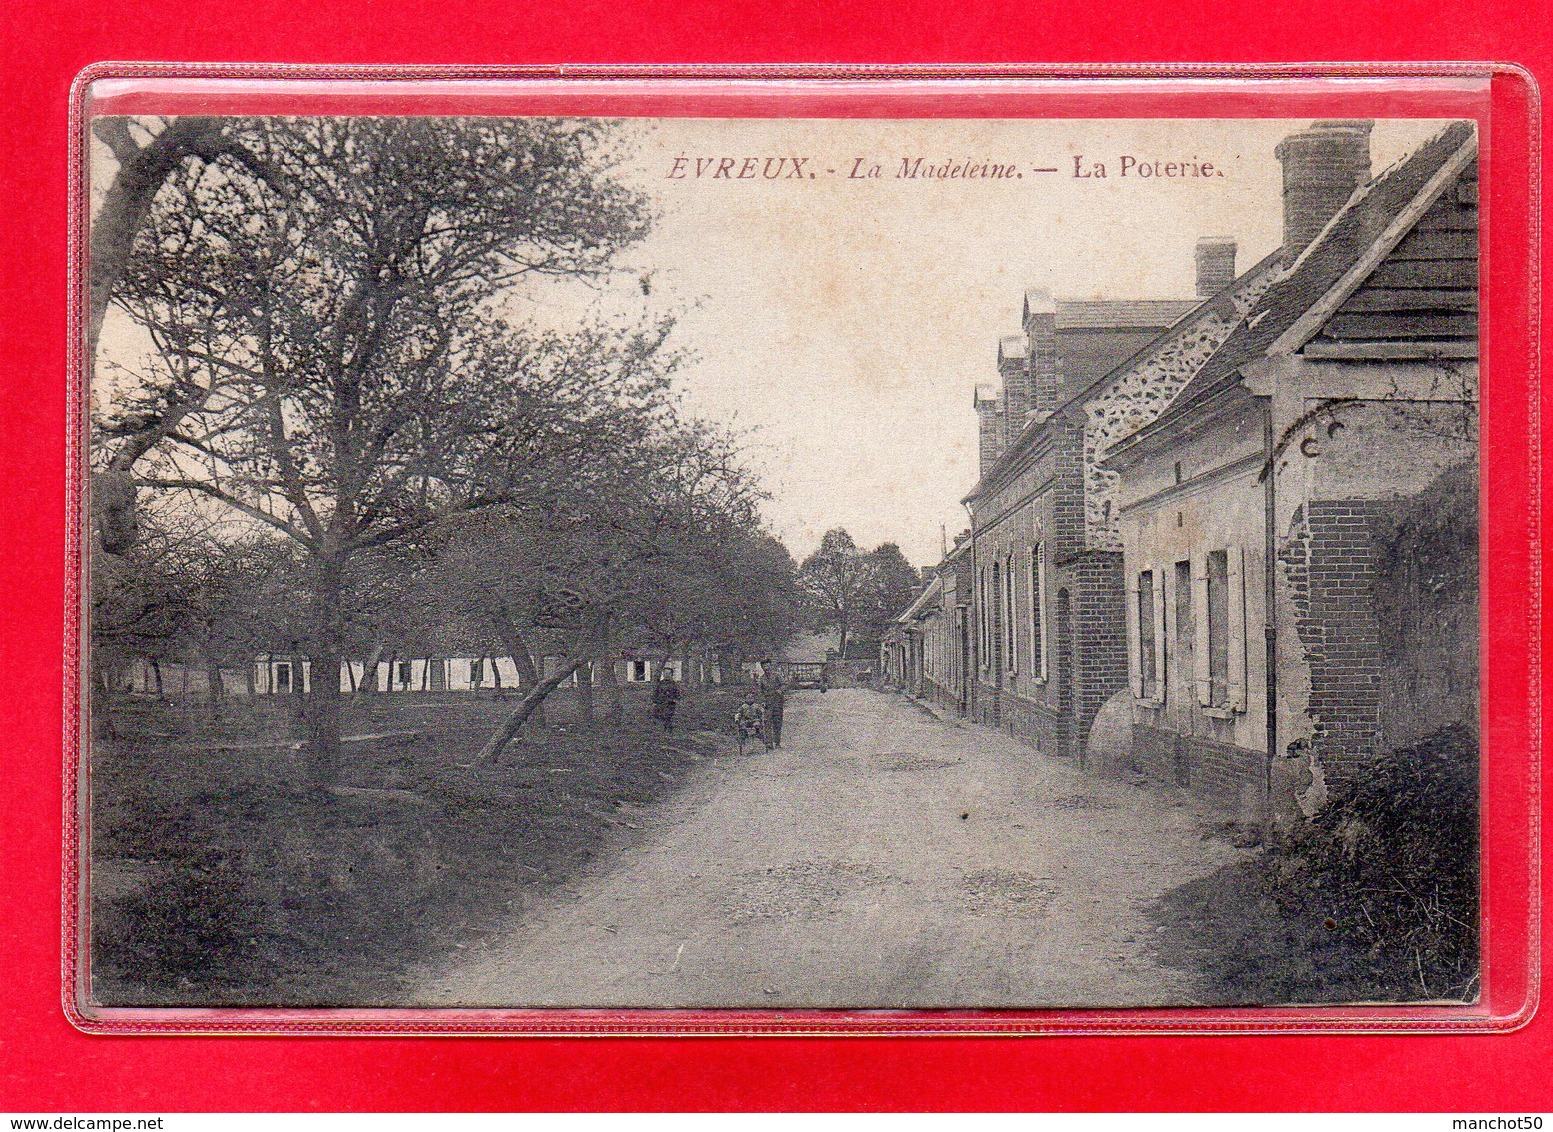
(527, 709)
(609, 680)
(496, 673)
(213, 680)
(585, 692)
(528, 671)
(327, 711)
(156, 670)
(325, 701)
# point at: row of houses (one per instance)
(289, 674)
(1207, 539)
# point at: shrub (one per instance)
(189, 927)
(1392, 861)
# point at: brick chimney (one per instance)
(1215, 265)
(1014, 369)
(989, 418)
(1040, 326)
(1322, 166)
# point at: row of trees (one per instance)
(335, 435)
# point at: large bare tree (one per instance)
(325, 319)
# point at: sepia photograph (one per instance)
(802, 563)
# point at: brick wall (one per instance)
(1032, 722)
(989, 423)
(1230, 777)
(1160, 754)
(1066, 535)
(1041, 331)
(1098, 592)
(1329, 567)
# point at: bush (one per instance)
(1393, 862)
(189, 927)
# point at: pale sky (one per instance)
(846, 322)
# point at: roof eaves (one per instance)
(934, 588)
(1011, 460)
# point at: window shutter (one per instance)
(1134, 652)
(1237, 628)
(1159, 636)
(1200, 660)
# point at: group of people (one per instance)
(758, 717)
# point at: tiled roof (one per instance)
(1105, 314)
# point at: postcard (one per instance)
(811, 563)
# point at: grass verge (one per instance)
(217, 879)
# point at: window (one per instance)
(636, 671)
(994, 609)
(1038, 610)
(1220, 630)
(1218, 627)
(1010, 622)
(1148, 668)
(1146, 634)
(406, 670)
(282, 677)
(984, 618)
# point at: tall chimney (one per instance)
(1215, 265)
(989, 420)
(1322, 166)
(1014, 368)
(1040, 327)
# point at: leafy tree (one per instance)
(841, 582)
(146, 153)
(896, 585)
(628, 547)
(849, 589)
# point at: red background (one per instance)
(46, 1065)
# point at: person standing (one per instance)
(665, 698)
(774, 694)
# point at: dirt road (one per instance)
(881, 858)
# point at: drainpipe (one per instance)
(973, 677)
(1270, 614)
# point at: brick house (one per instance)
(1036, 631)
(1253, 512)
